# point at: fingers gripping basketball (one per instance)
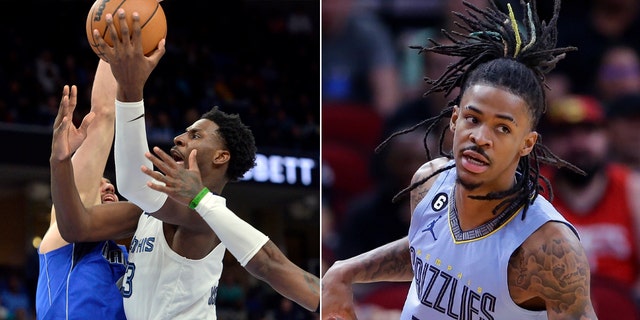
(153, 21)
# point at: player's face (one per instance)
(492, 130)
(202, 135)
(107, 191)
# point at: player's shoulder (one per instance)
(551, 265)
(429, 168)
(550, 232)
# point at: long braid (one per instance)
(495, 51)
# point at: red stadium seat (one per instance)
(350, 133)
(350, 174)
(356, 125)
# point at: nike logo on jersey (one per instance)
(136, 118)
(430, 227)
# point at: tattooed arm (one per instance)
(390, 262)
(273, 267)
(550, 272)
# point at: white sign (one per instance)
(282, 170)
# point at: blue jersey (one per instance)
(80, 281)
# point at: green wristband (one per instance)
(194, 203)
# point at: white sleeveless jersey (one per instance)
(465, 279)
(160, 284)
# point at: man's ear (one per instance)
(221, 157)
(529, 142)
(454, 117)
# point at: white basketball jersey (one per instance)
(160, 284)
(465, 279)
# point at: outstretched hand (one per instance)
(66, 137)
(180, 183)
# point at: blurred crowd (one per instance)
(370, 77)
(266, 68)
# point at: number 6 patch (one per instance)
(439, 201)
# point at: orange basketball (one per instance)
(152, 21)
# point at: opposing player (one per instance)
(482, 244)
(175, 258)
(78, 280)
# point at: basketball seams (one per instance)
(106, 28)
(91, 12)
(150, 13)
(153, 14)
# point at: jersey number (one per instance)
(439, 201)
(127, 284)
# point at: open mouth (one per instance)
(474, 162)
(177, 156)
(475, 158)
(109, 197)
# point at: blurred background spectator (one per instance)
(359, 59)
(617, 73)
(602, 204)
(205, 65)
(594, 26)
(258, 59)
(623, 121)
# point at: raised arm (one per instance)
(131, 69)
(75, 222)
(390, 262)
(91, 157)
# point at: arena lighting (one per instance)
(279, 169)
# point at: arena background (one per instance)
(256, 58)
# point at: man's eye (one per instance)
(504, 129)
(471, 119)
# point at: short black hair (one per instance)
(238, 138)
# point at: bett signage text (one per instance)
(284, 170)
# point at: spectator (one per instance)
(15, 298)
(623, 120)
(359, 63)
(603, 204)
(48, 73)
(618, 73)
(601, 24)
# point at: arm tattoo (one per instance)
(557, 272)
(391, 262)
(312, 282)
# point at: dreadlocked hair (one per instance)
(493, 53)
(238, 138)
